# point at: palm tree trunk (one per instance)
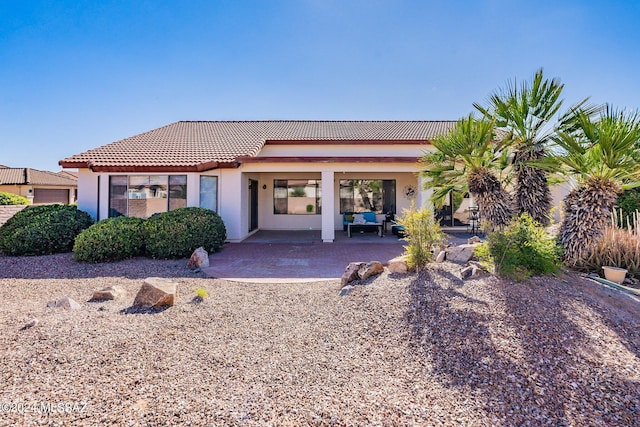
(587, 210)
(495, 204)
(533, 195)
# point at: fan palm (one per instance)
(526, 113)
(600, 154)
(469, 159)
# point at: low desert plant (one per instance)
(177, 233)
(617, 247)
(42, 230)
(12, 199)
(202, 293)
(422, 233)
(111, 239)
(521, 250)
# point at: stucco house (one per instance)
(40, 187)
(260, 175)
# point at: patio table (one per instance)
(378, 225)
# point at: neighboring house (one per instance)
(40, 187)
(269, 175)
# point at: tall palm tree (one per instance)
(469, 159)
(526, 112)
(600, 155)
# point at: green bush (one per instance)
(422, 233)
(177, 233)
(521, 250)
(112, 239)
(628, 203)
(42, 230)
(12, 199)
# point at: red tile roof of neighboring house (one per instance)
(203, 145)
(24, 176)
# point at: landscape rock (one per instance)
(474, 239)
(64, 302)
(199, 259)
(462, 253)
(441, 256)
(470, 272)
(110, 293)
(351, 272)
(370, 269)
(30, 324)
(398, 264)
(156, 292)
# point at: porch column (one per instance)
(328, 207)
(424, 196)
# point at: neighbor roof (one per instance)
(24, 176)
(203, 145)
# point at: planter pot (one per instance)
(615, 274)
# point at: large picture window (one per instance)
(209, 192)
(368, 195)
(143, 195)
(296, 197)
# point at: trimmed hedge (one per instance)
(12, 199)
(177, 233)
(112, 239)
(42, 230)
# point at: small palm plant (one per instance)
(469, 158)
(600, 155)
(526, 113)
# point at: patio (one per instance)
(300, 256)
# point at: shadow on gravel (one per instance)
(521, 354)
(63, 266)
(143, 310)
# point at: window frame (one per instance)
(281, 198)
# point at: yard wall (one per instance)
(7, 212)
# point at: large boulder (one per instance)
(351, 272)
(64, 302)
(372, 268)
(462, 253)
(110, 293)
(156, 292)
(199, 259)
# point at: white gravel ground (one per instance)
(423, 349)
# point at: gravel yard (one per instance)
(423, 349)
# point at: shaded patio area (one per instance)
(301, 256)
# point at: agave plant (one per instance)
(469, 158)
(599, 154)
(525, 112)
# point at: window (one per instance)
(363, 195)
(209, 192)
(143, 195)
(296, 197)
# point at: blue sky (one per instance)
(78, 74)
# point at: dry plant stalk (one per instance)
(619, 245)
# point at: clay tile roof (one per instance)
(201, 145)
(24, 176)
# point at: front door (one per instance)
(253, 205)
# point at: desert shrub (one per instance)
(617, 247)
(422, 233)
(112, 239)
(521, 249)
(177, 233)
(41, 230)
(12, 199)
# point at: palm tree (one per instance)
(469, 159)
(525, 112)
(600, 155)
